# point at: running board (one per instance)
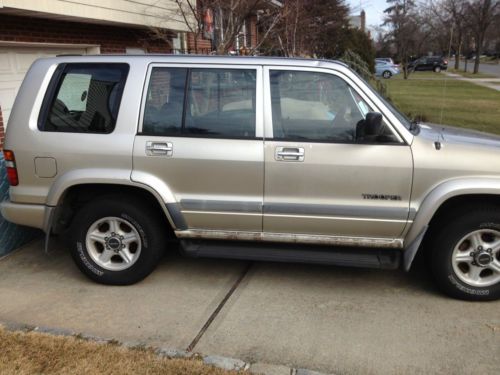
(351, 257)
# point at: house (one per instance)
(30, 29)
(358, 21)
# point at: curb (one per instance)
(226, 363)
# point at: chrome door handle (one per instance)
(159, 148)
(289, 154)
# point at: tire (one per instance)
(437, 69)
(117, 240)
(386, 74)
(464, 259)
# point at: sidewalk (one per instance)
(492, 83)
(329, 319)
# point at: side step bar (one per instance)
(273, 252)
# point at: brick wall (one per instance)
(112, 39)
(204, 45)
(2, 130)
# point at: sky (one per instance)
(374, 10)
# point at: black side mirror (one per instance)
(369, 129)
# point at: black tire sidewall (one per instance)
(442, 250)
(144, 221)
(386, 74)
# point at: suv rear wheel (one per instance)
(117, 241)
(465, 256)
(437, 69)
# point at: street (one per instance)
(329, 319)
(493, 69)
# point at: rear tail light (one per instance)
(445, 62)
(10, 164)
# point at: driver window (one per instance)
(313, 106)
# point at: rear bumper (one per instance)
(30, 215)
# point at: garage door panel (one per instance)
(5, 63)
(23, 61)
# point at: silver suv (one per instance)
(248, 158)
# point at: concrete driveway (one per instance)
(330, 319)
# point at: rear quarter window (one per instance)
(83, 98)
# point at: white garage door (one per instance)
(14, 63)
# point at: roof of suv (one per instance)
(268, 60)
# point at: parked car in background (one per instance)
(385, 70)
(429, 63)
(387, 60)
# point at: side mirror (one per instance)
(369, 129)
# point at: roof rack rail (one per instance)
(69, 54)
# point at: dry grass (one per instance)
(37, 353)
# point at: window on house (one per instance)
(86, 98)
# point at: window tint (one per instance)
(221, 102)
(86, 98)
(165, 101)
(315, 106)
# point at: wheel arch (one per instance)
(76, 195)
(445, 200)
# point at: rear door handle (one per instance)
(289, 154)
(159, 148)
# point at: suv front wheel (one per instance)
(117, 241)
(465, 256)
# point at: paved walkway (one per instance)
(329, 319)
(492, 83)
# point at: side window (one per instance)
(313, 106)
(221, 102)
(86, 98)
(165, 101)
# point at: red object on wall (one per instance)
(2, 130)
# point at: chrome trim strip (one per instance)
(391, 213)
(347, 218)
(219, 205)
(221, 213)
(393, 243)
(299, 210)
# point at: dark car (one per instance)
(429, 63)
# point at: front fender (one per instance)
(446, 190)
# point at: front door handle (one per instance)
(159, 148)
(289, 154)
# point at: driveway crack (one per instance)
(219, 308)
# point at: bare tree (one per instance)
(230, 18)
(401, 17)
(480, 16)
(452, 17)
(310, 28)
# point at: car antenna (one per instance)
(437, 143)
(445, 85)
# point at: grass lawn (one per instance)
(462, 103)
(37, 353)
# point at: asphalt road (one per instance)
(493, 69)
(330, 319)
